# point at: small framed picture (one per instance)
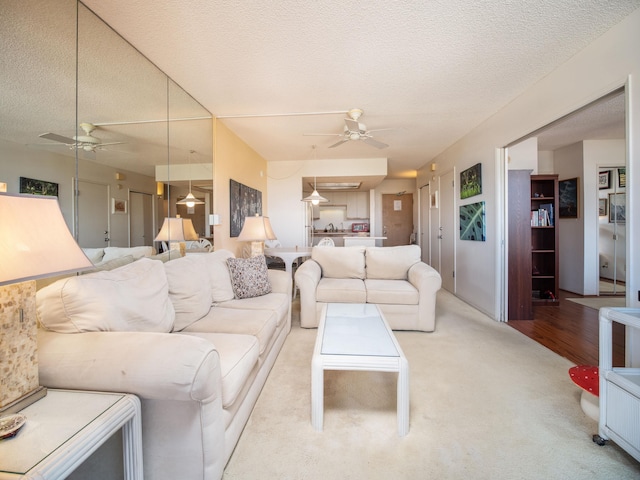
(617, 208)
(604, 179)
(118, 206)
(434, 199)
(602, 207)
(622, 177)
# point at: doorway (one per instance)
(93, 216)
(397, 218)
(611, 230)
(141, 219)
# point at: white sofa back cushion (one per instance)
(132, 298)
(340, 262)
(189, 289)
(94, 254)
(221, 289)
(391, 263)
(137, 252)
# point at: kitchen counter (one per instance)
(365, 241)
(339, 233)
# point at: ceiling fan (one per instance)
(354, 130)
(86, 142)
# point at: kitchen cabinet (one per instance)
(357, 205)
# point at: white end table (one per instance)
(64, 428)
(356, 336)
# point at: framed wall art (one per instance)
(568, 201)
(604, 180)
(617, 208)
(243, 202)
(622, 177)
(471, 181)
(118, 206)
(602, 207)
(472, 222)
(38, 187)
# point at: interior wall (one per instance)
(524, 156)
(569, 164)
(587, 76)
(234, 159)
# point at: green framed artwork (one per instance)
(38, 187)
(472, 222)
(622, 177)
(471, 181)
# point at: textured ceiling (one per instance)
(428, 70)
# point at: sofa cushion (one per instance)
(277, 303)
(137, 252)
(189, 289)
(391, 263)
(259, 323)
(391, 292)
(238, 359)
(341, 290)
(132, 298)
(249, 276)
(94, 254)
(340, 262)
(221, 289)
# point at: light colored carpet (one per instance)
(486, 403)
(607, 287)
(599, 302)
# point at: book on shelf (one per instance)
(543, 217)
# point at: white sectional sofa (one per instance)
(393, 277)
(176, 335)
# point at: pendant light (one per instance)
(190, 201)
(315, 198)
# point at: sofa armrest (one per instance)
(308, 276)
(164, 366)
(280, 281)
(427, 281)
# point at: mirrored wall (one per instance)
(86, 116)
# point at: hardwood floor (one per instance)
(571, 330)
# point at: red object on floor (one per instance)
(586, 377)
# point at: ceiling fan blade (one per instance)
(58, 138)
(321, 134)
(374, 143)
(339, 143)
(352, 125)
(110, 143)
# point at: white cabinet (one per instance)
(619, 387)
(358, 205)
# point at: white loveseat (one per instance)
(395, 278)
(173, 334)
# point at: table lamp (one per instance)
(176, 231)
(34, 243)
(256, 230)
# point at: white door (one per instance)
(93, 214)
(425, 225)
(141, 219)
(448, 235)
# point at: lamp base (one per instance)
(257, 248)
(24, 401)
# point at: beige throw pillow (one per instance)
(132, 298)
(340, 262)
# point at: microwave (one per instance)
(359, 227)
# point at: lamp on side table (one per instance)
(34, 243)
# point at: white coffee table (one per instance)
(355, 336)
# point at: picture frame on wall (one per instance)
(32, 186)
(472, 222)
(602, 207)
(118, 207)
(622, 177)
(568, 198)
(617, 208)
(434, 199)
(244, 202)
(604, 180)
(471, 181)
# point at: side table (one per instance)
(64, 428)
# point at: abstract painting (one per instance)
(471, 181)
(243, 202)
(38, 187)
(472, 222)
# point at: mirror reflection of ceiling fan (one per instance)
(354, 130)
(86, 142)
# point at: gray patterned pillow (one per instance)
(249, 276)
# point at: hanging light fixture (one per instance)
(190, 201)
(315, 198)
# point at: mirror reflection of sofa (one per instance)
(194, 338)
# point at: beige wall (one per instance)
(234, 159)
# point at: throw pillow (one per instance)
(132, 298)
(221, 288)
(249, 276)
(189, 289)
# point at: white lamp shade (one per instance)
(256, 229)
(190, 233)
(35, 241)
(190, 201)
(172, 231)
(315, 198)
